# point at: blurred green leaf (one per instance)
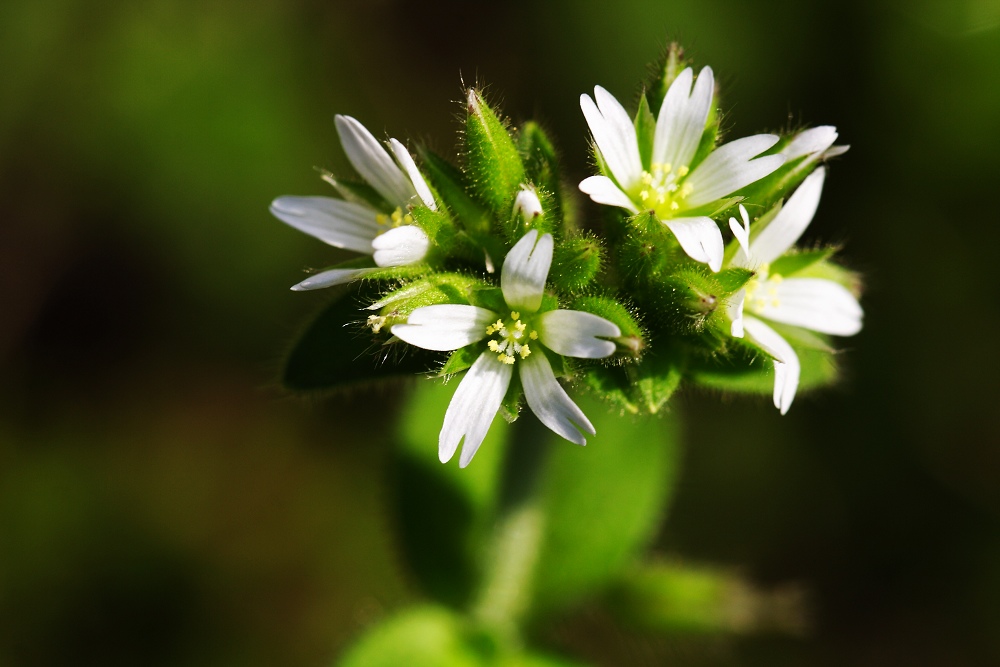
(421, 637)
(603, 502)
(336, 350)
(443, 512)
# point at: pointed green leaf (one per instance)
(493, 162)
(461, 359)
(645, 130)
(602, 502)
(336, 350)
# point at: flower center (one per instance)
(397, 219)
(511, 338)
(762, 292)
(662, 189)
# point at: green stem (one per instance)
(505, 595)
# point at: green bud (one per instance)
(632, 339)
(541, 164)
(452, 188)
(575, 263)
(670, 65)
(492, 159)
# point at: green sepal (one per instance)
(638, 388)
(667, 597)
(332, 353)
(834, 272)
(800, 260)
(452, 188)
(632, 338)
(691, 302)
(461, 359)
(435, 289)
(357, 192)
(779, 184)
(645, 131)
(667, 68)
(733, 279)
(541, 163)
(575, 263)
(492, 159)
(439, 228)
(588, 540)
(709, 138)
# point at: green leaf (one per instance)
(336, 350)
(443, 512)
(603, 503)
(452, 188)
(425, 636)
(673, 598)
(492, 159)
(791, 264)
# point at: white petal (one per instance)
(522, 278)
(813, 141)
(785, 229)
(834, 151)
(682, 118)
(473, 407)
(401, 246)
(700, 238)
(614, 135)
(573, 333)
(445, 327)
(416, 178)
(339, 223)
(817, 304)
(550, 402)
(604, 191)
(786, 362)
(373, 163)
(742, 232)
(528, 204)
(330, 278)
(735, 310)
(730, 167)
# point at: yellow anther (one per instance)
(408, 219)
(515, 315)
(520, 326)
(644, 195)
(682, 171)
(686, 190)
(533, 335)
(382, 219)
(499, 325)
(647, 178)
(674, 206)
(376, 322)
(525, 352)
(507, 359)
(494, 346)
(489, 330)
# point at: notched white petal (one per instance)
(525, 269)
(700, 238)
(813, 142)
(473, 407)
(574, 333)
(815, 303)
(602, 190)
(329, 278)
(787, 226)
(445, 327)
(401, 246)
(735, 310)
(682, 118)
(731, 167)
(372, 162)
(416, 178)
(550, 402)
(339, 223)
(786, 363)
(614, 135)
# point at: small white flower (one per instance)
(516, 339)
(670, 186)
(391, 239)
(811, 303)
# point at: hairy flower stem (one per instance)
(513, 550)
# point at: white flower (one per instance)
(811, 303)
(516, 340)
(356, 225)
(528, 204)
(670, 185)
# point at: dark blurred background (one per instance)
(162, 502)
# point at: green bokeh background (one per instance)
(162, 502)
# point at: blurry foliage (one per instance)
(158, 506)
